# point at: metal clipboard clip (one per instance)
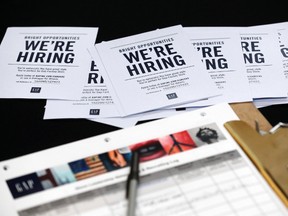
(272, 130)
(267, 150)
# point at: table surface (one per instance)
(23, 129)
(249, 113)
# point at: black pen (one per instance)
(132, 184)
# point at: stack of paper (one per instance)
(146, 76)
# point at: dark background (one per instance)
(23, 129)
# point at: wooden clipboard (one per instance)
(269, 153)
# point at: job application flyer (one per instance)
(260, 51)
(96, 100)
(221, 55)
(44, 62)
(263, 63)
(282, 37)
(154, 69)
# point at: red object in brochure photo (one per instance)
(149, 150)
(170, 144)
(177, 142)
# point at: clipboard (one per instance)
(268, 151)
(205, 178)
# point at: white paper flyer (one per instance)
(96, 101)
(155, 69)
(263, 63)
(132, 120)
(282, 36)
(260, 49)
(221, 55)
(44, 62)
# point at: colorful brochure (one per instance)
(189, 164)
